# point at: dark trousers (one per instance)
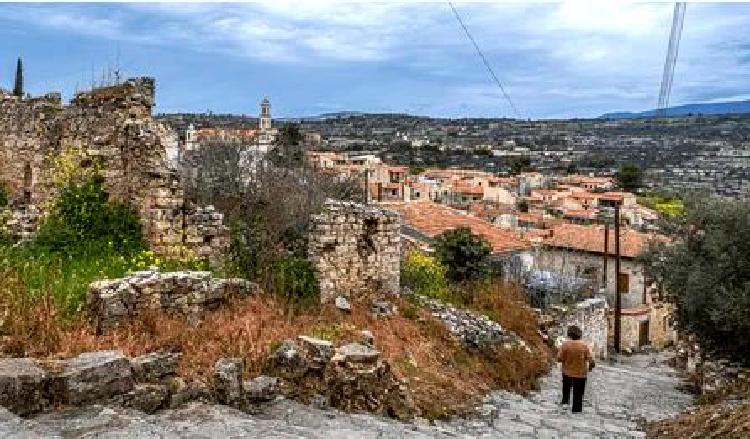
(578, 385)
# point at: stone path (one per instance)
(618, 395)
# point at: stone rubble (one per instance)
(114, 301)
(471, 328)
(343, 304)
(352, 377)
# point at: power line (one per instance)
(484, 60)
(665, 90)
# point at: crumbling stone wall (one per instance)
(590, 315)
(355, 249)
(115, 128)
(189, 293)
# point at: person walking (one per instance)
(576, 359)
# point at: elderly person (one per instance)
(576, 359)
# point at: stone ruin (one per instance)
(590, 315)
(355, 249)
(114, 127)
(187, 293)
(351, 377)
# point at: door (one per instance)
(623, 283)
(643, 334)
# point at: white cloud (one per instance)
(590, 56)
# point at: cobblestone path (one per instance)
(617, 396)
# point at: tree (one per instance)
(519, 164)
(629, 176)
(464, 254)
(288, 150)
(18, 85)
(707, 272)
(522, 205)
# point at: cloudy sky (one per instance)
(554, 59)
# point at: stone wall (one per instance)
(114, 128)
(189, 293)
(355, 249)
(591, 316)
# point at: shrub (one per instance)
(424, 274)
(294, 278)
(83, 214)
(464, 254)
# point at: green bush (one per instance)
(465, 255)
(294, 278)
(424, 274)
(83, 214)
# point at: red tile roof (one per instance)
(433, 219)
(591, 239)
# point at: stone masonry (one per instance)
(114, 127)
(355, 249)
(184, 292)
(591, 316)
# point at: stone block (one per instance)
(23, 386)
(261, 389)
(356, 353)
(94, 377)
(154, 366)
(228, 381)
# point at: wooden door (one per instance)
(623, 283)
(643, 334)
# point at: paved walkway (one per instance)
(618, 395)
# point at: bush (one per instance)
(294, 278)
(424, 274)
(464, 254)
(83, 214)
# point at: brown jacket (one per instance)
(576, 358)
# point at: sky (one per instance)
(556, 60)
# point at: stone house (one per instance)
(576, 250)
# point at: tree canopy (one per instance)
(629, 176)
(707, 272)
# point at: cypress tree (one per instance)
(18, 87)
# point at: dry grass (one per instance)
(724, 420)
(444, 377)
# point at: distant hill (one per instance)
(682, 110)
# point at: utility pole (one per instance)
(606, 253)
(618, 293)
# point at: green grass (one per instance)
(67, 275)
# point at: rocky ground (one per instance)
(619, 395)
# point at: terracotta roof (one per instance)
(433, 219)
(591, 239)
(464, 189)
(581, 213)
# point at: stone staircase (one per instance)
(619, 394)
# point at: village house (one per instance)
(578, 251)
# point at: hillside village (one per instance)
(314, 280)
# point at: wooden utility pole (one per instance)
(618, 292)
(606, 253)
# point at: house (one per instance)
(426, 220)
(577, 250)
